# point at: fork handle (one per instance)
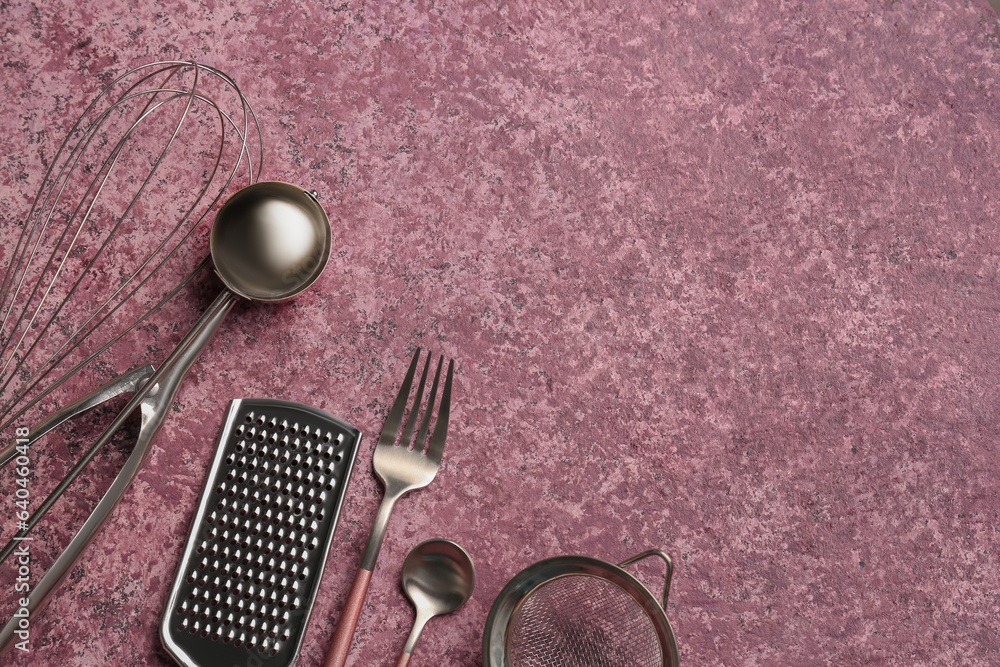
(374, 546)
(340, 645)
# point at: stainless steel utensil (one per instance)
(259, 540)
(251, 224)
(438, 577)
(105, 241)
(401, 470)
(575, 611)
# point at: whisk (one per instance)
(102, 247)
(160, 132)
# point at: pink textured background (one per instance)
(719, 278)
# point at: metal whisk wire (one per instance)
(48, 245)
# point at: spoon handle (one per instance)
(423, 615)
(411, 641)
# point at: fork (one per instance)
(401, 469)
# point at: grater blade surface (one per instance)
(259, 540)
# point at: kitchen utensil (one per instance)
(438, 577)
(106, 239)
(105, 243)
(575, 611)
(259, 540)
(401, 470)
(269, 241)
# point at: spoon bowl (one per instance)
(438, 577)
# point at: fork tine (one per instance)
(418, 446)
(411, 419)
(391, 427)
(435, 451)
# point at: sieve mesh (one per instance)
(582, 621)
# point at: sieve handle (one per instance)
(666, 559)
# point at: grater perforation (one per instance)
(259, 540)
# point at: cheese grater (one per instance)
(259, 540)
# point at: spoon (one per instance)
(438, 577)
(269, 242)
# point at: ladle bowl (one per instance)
(270, 241)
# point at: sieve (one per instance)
(576, 611)
(259, 540)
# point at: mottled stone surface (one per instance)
(719, 279)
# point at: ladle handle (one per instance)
(122, 384)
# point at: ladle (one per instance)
(438, 577)
(270, 241)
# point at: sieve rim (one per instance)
(505, 608)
